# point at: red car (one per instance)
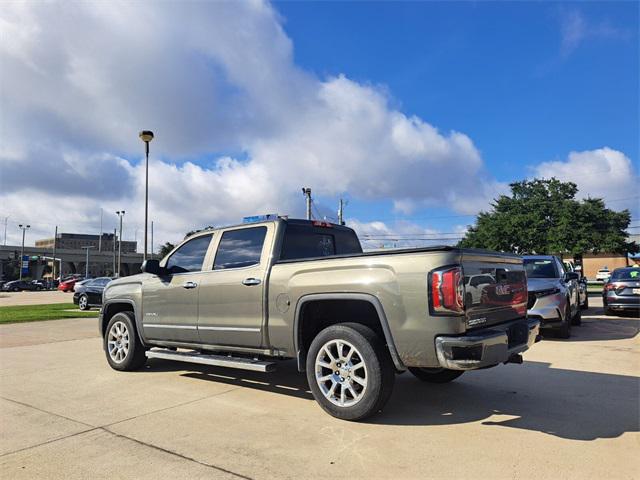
(68, 284)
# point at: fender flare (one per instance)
(135, 314)
(373, 300)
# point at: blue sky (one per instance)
(419, 113)
(496, 71)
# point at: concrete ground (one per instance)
(570, 411)
(8, 299)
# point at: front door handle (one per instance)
(251, 281)
(190, 285)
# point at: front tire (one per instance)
(122, 346)
(435, 375)
(565, 328)
(349, 371)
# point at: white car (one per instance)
(603, 275)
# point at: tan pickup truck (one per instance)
(249, 295)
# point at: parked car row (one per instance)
(20, 285)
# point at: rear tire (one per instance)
(585, 305)
(577, 320)
(435, 375)
(122, 346)
(83, 302)
(349, 371)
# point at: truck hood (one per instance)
(537, 284)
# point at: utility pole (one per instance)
(24, 229)
(6, 219)
(100, 237)
(151, 239)
(55, 241)
(114, 253)
(86, 265)
(120, 214)
(341, 206)
(306, 191)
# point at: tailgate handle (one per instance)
(251, 281)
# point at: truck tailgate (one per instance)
(495, 288)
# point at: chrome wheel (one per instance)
(118, 342)
(83, 303)
(341, 373)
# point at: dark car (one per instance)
(622, 290)
(19, 285)
(89, 294)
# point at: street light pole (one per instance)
(120, 214)
(24, 229)
(86, 269)
(146, 136)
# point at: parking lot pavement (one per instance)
(9, 299)
(570, 411)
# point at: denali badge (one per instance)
(477, 321)
(502, 289)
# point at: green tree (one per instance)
(543, 216)
(165, 249)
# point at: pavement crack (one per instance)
(169, 407)
(50, 441)
(179, 455)
(48, 412)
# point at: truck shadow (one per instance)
(568, 404)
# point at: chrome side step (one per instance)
(216, 360)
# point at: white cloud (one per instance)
(239, 126)
(575, 29)
(603, 173)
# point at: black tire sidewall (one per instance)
(380, 371)
(86, 307)
(136, 357)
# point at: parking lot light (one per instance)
(146, 136)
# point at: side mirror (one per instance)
(153, 267)
(571, 276)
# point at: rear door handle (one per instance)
(190, 285)
(251, 281)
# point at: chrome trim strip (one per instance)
(155, 325)
(230, 329)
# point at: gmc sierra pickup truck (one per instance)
(246, 296)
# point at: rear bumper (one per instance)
(487, 347)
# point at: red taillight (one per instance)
(610, 286)
(447, 290)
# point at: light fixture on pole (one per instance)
(146, 136)
(120, 214)
(86, 269)
(24, 229)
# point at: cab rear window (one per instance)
(305, 241)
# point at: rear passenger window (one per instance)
(190, 256)
(240, 248)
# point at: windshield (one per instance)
(626, 274)
(540, 268)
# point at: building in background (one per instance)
(73, 241)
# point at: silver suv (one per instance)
(553, 294)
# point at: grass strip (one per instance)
(35, 313)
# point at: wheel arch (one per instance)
(112, 307)
(304, 331)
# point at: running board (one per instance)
(216, 360)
